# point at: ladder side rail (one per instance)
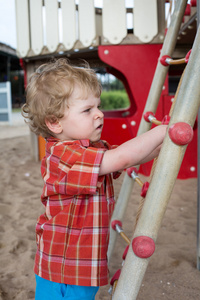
(151, 105)
(198, 165)
(119, 211)
(166, 171)
(198, 199)
(161, 71)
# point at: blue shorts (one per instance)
(49, 290)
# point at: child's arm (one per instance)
(151, 156)
(136, 151)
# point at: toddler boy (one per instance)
(63, 105)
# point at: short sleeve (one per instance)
(82, 177)
(106, 145)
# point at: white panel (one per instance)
(36, 26)
(145, 19)
(87, 26)
(68, 23)
(52, 34)
(5, 102)
(22, 24)
(114, 20)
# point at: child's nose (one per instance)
(99, 114)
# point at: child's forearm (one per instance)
(139, 148)
(135, 151)
(151, 156)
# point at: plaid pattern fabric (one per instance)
(73, 233)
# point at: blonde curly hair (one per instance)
(49, 90)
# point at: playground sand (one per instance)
(171, 273)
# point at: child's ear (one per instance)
(54, 126)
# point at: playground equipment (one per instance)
(169, 161)
(151, 105)
(104, 40)
(106, 37)
(166, 172)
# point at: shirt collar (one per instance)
(84, 143)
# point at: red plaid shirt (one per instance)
(73, 233)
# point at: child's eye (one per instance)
(87, 110)
(99, 107)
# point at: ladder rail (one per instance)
(151, 105)
(166, 171)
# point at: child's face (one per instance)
(83, 119)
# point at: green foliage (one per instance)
(114, 85)
(16, 110)
(111, 100)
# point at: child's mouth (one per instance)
(100, 126)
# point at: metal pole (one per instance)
(166, 171)
(119, 212)
(161, 71)
(198, 199)
(198, 180)
(151, 105)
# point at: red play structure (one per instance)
(104, 40)
(136, 73)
